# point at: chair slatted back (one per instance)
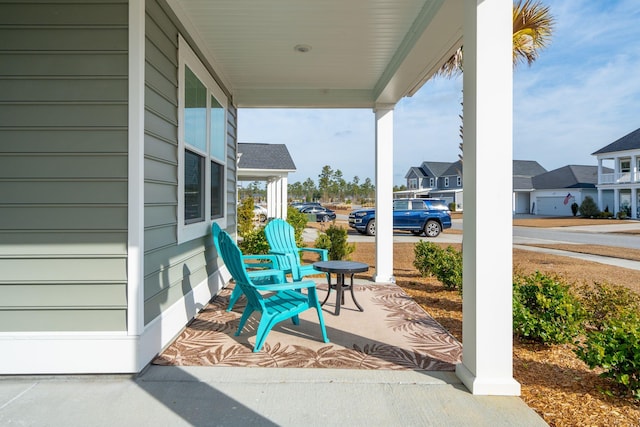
(232, 257)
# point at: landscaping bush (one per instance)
(254, 242)
(574, 208)
(298, 221)
(588, 208)
(615, 347)
(603, 302)
(444, 264)
(544, 309)
(334, 239)
(245, 217)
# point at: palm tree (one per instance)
(532, 29)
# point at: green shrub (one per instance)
(444, 264)
(452, 206)
(603, 301)
(298, 221)
(588, 208)
(334, 239)
(254, 242)
(544, 309)
(615, 347)
(245, 217)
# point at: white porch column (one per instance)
(271, 198)
(284, 196)
(634, 169)
(599, 182)
(634, 202)
(616, 201)
(384, 194)
(487, 360)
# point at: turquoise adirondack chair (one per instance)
(263, 268)
(286, 303)
(282, 241)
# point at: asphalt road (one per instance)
(607, 235)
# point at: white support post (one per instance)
(384, 194)
(487, 359)
(271, 199)
(284, 182)
(599, 182)
(135, 202)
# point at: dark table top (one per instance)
(341, 267)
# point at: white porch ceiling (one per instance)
(363, 52)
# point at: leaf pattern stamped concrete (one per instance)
(393, 332)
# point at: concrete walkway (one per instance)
(218, 396)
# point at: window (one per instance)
(413, 183)
(202, 148)
(459, 182)
(446, 181)
(431, 182)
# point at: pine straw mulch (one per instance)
(555, 383)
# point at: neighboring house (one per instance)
(618, 185)
(119, 127)
(442, 180)
(271, 163)
(523, 173)
(555, 191)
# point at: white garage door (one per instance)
(553, 206)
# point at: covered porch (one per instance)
(359, 55)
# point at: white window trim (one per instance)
(446, 181)
(459, 181)
(186, 56)
(431, 182)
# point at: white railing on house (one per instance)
(618, 178)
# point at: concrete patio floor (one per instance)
(232, 396)
(258, 396)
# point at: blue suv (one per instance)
(428, 216)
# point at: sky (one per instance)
(581, 94)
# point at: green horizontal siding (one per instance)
(43, 243)
(63, 165)
(66, 319)
(112, 295)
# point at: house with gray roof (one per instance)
(443, 180)
(618, 183)
(555, 191)
(271, 163)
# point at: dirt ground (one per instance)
(555, 383)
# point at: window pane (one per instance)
(217, 188)
(195, 111)
(193, 187)
(217, 130)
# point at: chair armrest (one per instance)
(272, 261)
(259, 274)
(287, 286)
(324, 253)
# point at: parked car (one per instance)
(321, 213)
(301, 205)
(260, 213)
(428, 216)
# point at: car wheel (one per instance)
(325, 218)
(432, 228)
(371, 228)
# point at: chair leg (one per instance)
(295, 319)
(235, 295)
(313, 301)
(264, 327)
(245, 316)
